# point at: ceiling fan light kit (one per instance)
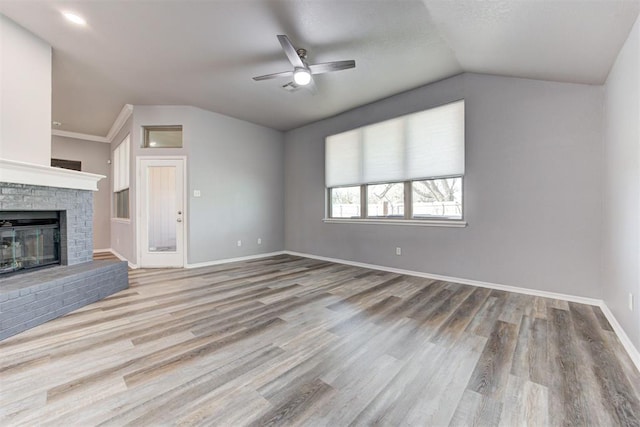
(302, 71)
(302, 76)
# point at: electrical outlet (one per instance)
(259, 240)
(398, 251)
(239, 243)
(196, 193)
(630, 301)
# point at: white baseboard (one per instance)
(622, 336)
(121, 258)
(228, 260)
(526, 291)
(102, 251)
(633, 352)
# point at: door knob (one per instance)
(179, 220)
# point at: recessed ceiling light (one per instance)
(74, 18)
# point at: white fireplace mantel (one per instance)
(15, 172)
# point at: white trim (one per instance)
(122, 118)
(185, 200)
(121, 258)
(47, 176)
(117, 125)
(619, 331)
(121, 220)
(76, 135)
(102, 251)
(411, 222)
(228, 260)
(527, 291)
(633, 352)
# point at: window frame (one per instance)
(408, 218)
(348, 151)
(116, 197)
(160, 128)
(121, 178)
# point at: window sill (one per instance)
(121, 220)
(409, 222)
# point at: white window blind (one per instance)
(121, 166)
(382, 151)
(343, 157)
(427, 144)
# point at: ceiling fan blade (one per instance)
(274, 75)
(327, 67)
(290, 51)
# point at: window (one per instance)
(121, 180)
(162, 137)
(410, 167)
(437, 198)
(345, 202)
(385, 200)
(121, 203)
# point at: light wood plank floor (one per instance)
(290, 341)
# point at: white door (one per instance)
(162, 217)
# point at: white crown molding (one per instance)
(619, 331)
(122, 118)
(117, 125)
(47, 176)
(76, 135)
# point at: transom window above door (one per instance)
(162, 136)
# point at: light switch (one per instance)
(196, 193)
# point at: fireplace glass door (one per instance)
(25, 246)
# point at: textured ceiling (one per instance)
(204, 53)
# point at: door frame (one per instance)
(139, 220)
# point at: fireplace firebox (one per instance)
(28, 240)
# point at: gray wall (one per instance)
(532, 188)
(621, 224)
(238, 168)
(94, 157)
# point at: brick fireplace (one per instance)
(30, 297)
(76, 215)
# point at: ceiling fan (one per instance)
(302, 71)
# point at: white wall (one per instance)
(532, 188)
(94, 157)
(25, 95)
(621, 222)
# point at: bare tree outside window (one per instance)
(345, 202)
(385, 200)
(437, 197)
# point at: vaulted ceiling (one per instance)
(205, 53)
